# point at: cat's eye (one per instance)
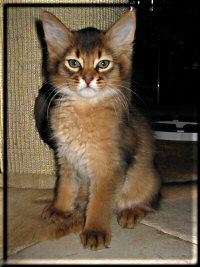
(73, 63)
(103, 64)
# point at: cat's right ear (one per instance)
(56, 34)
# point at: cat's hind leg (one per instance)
(140, 189)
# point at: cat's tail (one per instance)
(41, 116)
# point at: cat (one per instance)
(104, 146)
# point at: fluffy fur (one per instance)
(104, 146)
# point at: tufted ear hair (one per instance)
(121, 35)
(57, 35)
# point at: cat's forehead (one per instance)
(89, 39)
(96, 53)
(89, 45)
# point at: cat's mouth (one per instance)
(88, 92)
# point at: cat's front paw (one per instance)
(51, 215)
(95, 240)
(129, 217)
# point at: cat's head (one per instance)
(89, 63)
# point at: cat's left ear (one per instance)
(121, 35)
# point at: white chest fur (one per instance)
(73, 134)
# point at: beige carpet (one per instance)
(25, 206)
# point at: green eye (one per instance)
(74, 63)
(103, 64)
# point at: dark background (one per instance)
(166, 57)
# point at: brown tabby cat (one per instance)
(104, 146)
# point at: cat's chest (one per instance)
(70, 127)
(76, 134)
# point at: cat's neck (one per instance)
(81, 105)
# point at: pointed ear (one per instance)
(121, 35)
(56, 34)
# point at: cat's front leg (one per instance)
(62, 205)
(96, 233)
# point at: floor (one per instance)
(166, 236)
(1, 222)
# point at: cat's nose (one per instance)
(88, 79)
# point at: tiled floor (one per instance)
(167, 236)
(144, 243)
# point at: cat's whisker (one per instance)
(138, 83)
(119, 100)
(51, 102)
(63, 97)
(51, 87)
(125, 101)
(132, 91)
(113, 104)
(45, 100)
(53, 91)
(122, 98)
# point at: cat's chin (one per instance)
(88, 92)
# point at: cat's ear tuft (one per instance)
(121, 35)
(56, 33)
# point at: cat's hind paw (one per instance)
(51, 215)
(129, 217)
(66, 222)
(74, 223)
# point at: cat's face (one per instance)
(89, 63)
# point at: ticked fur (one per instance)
(104, 146)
